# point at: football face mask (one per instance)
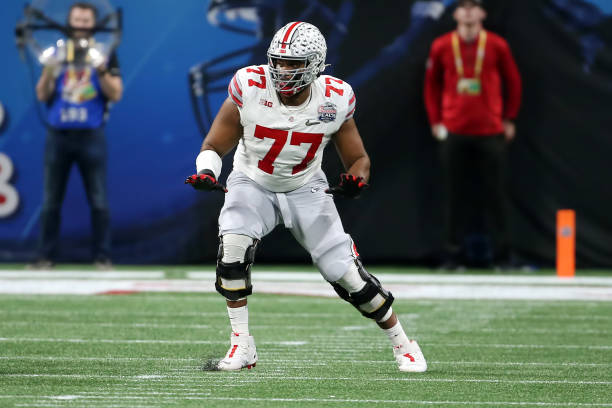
(289, 75)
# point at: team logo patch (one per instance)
(327, 112)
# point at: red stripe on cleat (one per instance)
(409, 356)
(233, 351)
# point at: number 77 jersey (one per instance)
(282, 146)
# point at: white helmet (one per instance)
(297, 41)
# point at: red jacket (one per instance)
(467, 114)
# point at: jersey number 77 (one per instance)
(280, 139)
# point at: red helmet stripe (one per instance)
(288, 33)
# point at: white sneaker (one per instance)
(410, 358)
(241, 354)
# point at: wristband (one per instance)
(209, 159)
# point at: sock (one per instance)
(239, 319)
(396, 335)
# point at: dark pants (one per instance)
(86, 148)
(474, 175)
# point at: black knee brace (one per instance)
(235, 271)
(362, 299)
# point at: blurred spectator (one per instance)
(472, 96)
(77, 83)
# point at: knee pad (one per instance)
(372, 300)
(234, 260)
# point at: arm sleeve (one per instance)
(513, 87)
(433, 86)
(234, 91)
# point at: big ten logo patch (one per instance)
(266, 103)
(9, 199)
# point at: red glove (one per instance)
(205, 180)
(350, 186)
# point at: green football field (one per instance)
(151, 349)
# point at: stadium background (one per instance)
(559, 160)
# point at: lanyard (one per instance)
(480, 54)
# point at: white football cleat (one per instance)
(241, 354)
(410, 358)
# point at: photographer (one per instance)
(77, 84)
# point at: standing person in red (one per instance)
(472, 96)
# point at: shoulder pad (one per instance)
(234, 89)
(340, 92)
(245, 80)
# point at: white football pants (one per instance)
(308, 212)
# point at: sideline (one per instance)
(403, 286)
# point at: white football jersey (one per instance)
(282, 146)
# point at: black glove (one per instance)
(205, 180)
(350, 186)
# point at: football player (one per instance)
(281, 116)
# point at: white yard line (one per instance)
(124, 359)
(528, 346)
(477, 317)
(403, 402)
(284, 344)
(80, 274)
(107, 341)
(157, 314)
(168, 397)
(305, 362)
(307, 378)
(202, 397)
(403, 286)
(107, 324)
(466, 290)
(422, 330)
(274, 276)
